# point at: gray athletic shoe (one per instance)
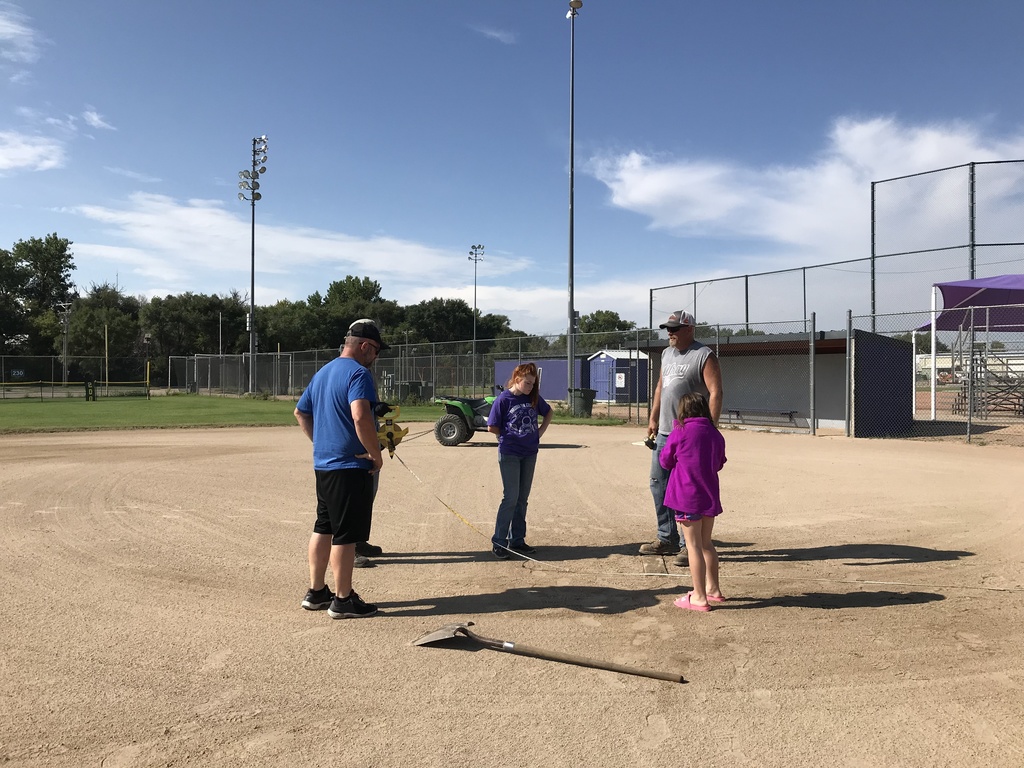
(363, 562)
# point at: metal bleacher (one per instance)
(993, 383)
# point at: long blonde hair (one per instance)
(520, 372)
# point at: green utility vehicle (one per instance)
(462, 417)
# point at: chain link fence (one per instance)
(48, 377)
(419, 372)
(971, 387)
(769, 373)
(876, 377)
(958, 223)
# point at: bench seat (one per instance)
(765, 416)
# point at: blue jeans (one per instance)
(516, 480)
(667, 530)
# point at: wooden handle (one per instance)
(525, 650)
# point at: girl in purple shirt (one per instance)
(513, 419)
(693, 455)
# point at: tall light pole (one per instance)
(574, 7)
(476, 255)
(65, 320)
(250, 182)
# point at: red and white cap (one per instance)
(677, 320)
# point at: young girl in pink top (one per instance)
(693, 455)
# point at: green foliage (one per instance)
(706, 331)
(347, 301)
(194, 323)
(38, 304)
(105, 323)
(35, 281)
(14, 326)
(518, 345)
(290, 325)
(603, 329)
(441, 319)
(493, 326)
(923, 342)
(50, 265)
(353, 290)
(604, 320)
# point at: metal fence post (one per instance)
(849, 371)
(813, 415)
(970, 377)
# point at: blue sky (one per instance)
(712, 139)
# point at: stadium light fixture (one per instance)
(476, 255)
(250, 183)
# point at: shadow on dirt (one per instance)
(606, 601)
(559, 554)
(544, 555)
(543, 446)
(829, 601)
(877, 554)
(596, 600)
(948, 429)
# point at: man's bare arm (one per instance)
(713, 381)
(362, 416)
(652, 423)
(305, 423)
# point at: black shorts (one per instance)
(344, 504)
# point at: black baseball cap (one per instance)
(366, 329)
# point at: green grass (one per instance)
(174, 412)
(180, 411)
(137, 413)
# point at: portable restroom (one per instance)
(618, 375)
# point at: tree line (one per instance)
(42, 313)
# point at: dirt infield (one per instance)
(150, 613)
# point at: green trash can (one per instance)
(581, 402)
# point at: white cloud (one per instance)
(66, 124)
(19, 43)
(732, 220)
(501, 35)
(786, 217)
(19, 151)
(135, 175)
(201, 246)
(93, 118)
(820, 207)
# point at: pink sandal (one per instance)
(684, 602)
(714, 598)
